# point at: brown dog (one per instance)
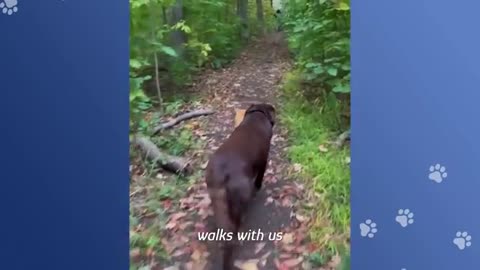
(235, 171)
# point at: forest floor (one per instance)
(168, 212)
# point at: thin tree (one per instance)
(260, 15)
(242, 11)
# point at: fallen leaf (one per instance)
(167, 203)
(287, 238)
(179, 252)
(259, 247)
(199, 265)
(293, 262)
(199, 227)
(297, 167)
(285, 256)
(286, 202)
(300, 218)
(301, 250)
(279, 265)
(205, 202)
(183, 226)
(173, 267)
(309, 205)
(270, 179)
(322, 148)
(347, 160)
(203, 213)
(263, 259)
(269, 200)
(171, 225)
(311, 247)
(288, 248)
(150, 252)
(306, 265)
(300, 186)
(135, 254)
(335, 261)
(188, 266)
(177, 216)
(196, 255)
(239, 115)
(247, 265)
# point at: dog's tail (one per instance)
(222, 207)
(237, 192)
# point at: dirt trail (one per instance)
(254, 76)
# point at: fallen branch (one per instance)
(167, 162)
(341, 139)
(181, 118)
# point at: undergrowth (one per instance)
(311, 125)
(154, 193)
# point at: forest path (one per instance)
(254, 76)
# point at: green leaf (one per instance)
(345, 263)
(332, 71)
(318, 70)
(331, 101)
(169, 51)
(311, 65)
(343, 6)
(134, 63)
(345, 67)
(153, 241)
(143, 124)
(341, 88)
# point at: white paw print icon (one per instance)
(462, 240)
(404, 217)
(8, 6)
(368, 228)
(437, 173)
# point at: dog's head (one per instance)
(267, 109)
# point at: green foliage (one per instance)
(213, 23)
(177, 143)
(212, 38)
(326, 172)
(139, 102)
(319, 34)
(345, 263)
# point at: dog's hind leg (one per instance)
(222, 214)
(259, 178)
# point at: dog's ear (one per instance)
(271, 112)
(251, 107)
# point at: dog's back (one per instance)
(231, 171)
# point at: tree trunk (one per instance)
(177, 37)
(242, 11)
(260, 15)
(238, 7)
(164, 15)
